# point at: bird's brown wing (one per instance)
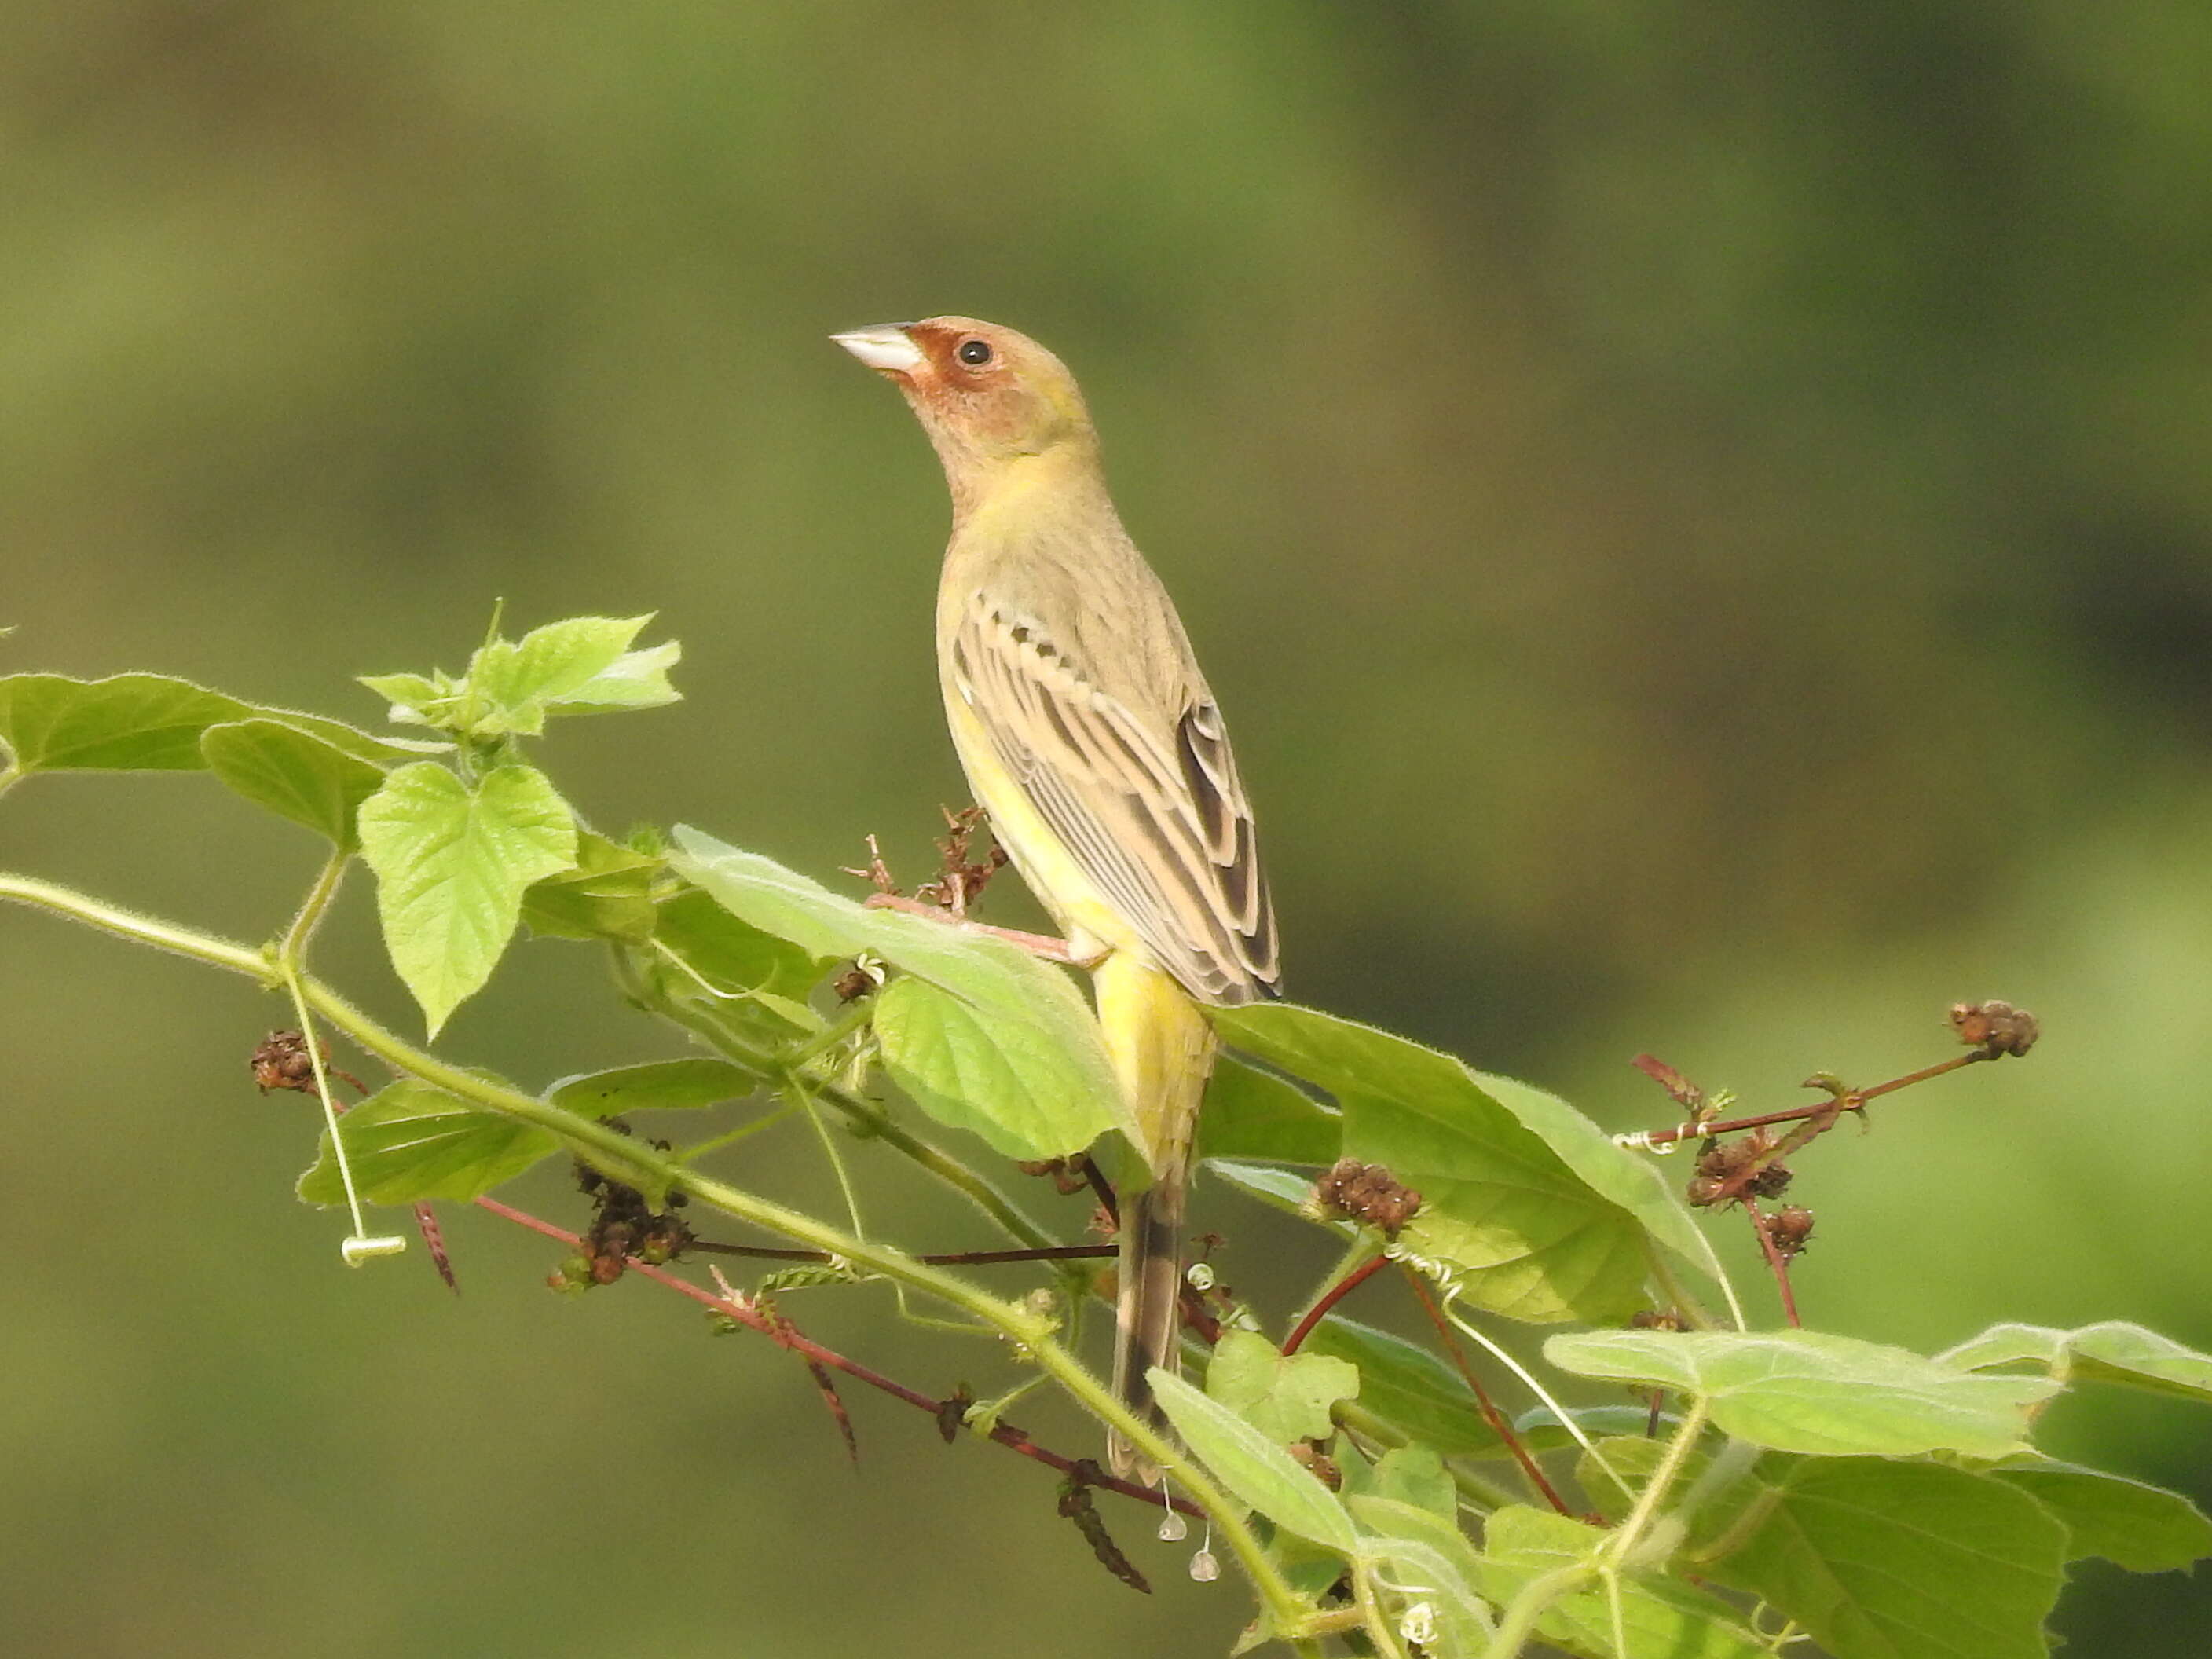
(1159, 826)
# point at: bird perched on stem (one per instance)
(1089, 736)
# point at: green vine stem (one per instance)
(294, 946)
(1534, 1601)
(638, 1164)
(1519, 1620)
(1630, 1534)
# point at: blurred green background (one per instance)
(1699, 516)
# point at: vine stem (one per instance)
(638, 1164)
(1538, 1480)
(1625, 1538)
(1536, 1597)
(781, 1333)
(1372, 1616)
(144, 930)
(1360, 1263)
(947, 1259)
(293, 948)
(1850, 1100)
(1534, 1601)
(1777, 1263)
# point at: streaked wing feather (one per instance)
(1166, 835)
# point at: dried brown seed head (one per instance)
(1365, 1193)
(281, 1061)
(1790, 1229)
(1994, 1027)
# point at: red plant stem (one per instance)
(1668, 1137)
(1776, 1260)
(1195, 1317)
(1335, 1294)
(1737, 1187)
(1491, 1415)
(781, 1334)
(1849, 1103)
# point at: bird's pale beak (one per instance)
(887, 349)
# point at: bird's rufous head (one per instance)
(986, 395)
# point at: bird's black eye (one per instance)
(974, 353)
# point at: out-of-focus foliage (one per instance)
(1699, 516)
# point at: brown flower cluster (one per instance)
(1721, 1176)
(1994, 1027)
(1366, 1192)
(1789, 1229)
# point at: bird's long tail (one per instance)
(1163, 1050)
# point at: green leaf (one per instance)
(1541, 1429)
(581, 665)
(657, 1085)
(1614, 1470)
(637, 679)
(1252, 1114)
(411, 695)
(1382, 1515)
(143, 723)
(984, 1070)
(760, 982)
(301, 777)
(1283, 1189)
(1025, 1037)
(1408, 1387)
(452, 863)
(556, 661)
(128, 722)
(1419, 1556)
(607, 896)
(1658, 1615)
(512, 687)
(1808, 1391)
(362, 746)
(1257, 1472)
(1417, 1475)
(409, 1142)
(2142, 1527)
(1308, 1568)
(1531, 1236)
(1284, 1398)
(2113, 1351)
(1882, 1560)
(1630, 1179)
